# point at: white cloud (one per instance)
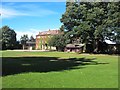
(11, 10)
(7, 13)
(34, 1)
(30, 32)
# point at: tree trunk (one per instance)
(23, 47)
(96, 46)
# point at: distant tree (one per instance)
(58, 41)
(32, 39)
(0, 39)
(23, 40)
(7, 38)
(18, 45)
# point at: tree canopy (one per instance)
(58, 41)
(23, 40)
(8, 38)
(92, 22)
(32, 39)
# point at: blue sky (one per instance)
(32, 17)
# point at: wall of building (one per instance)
(42, 43)
(43, 37)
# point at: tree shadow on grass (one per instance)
(16, 65)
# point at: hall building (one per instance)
(43, 37)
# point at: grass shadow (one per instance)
(16, 65)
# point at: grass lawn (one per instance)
(58, 70)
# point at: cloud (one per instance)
(11, 10)
(30, 32)
(34, 1)
(7, 13)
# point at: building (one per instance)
(74, 48)
(112, 47)
(43, 37)
(30, 45)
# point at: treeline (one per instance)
(8, 39)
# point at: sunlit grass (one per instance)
(47, 70)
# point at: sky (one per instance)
(32, 17)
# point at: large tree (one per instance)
(92, 22)
(8, 38)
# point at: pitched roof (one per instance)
(109, 42)
(74, 45)
(50, 32)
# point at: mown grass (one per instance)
(58, 70)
